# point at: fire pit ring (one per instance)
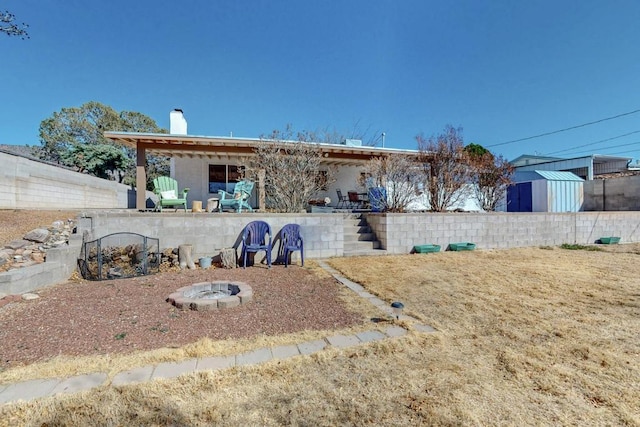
(207, 296)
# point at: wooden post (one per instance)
(261, 192)
(141, 178)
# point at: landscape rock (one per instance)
(39, 235)
(30, 296)
(37, 257)
(17, 244)
(32, 249)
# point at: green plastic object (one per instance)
(465, 246)
(425, 249)
(611, 240)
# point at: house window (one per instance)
(223, 177)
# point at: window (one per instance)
(223, 177)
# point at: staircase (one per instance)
(358, 238)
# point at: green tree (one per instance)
(10, 28)
(101, 160)
(74, 137)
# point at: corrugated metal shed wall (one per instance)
(553, 191)
(565, 196)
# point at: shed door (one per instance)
(519, 198)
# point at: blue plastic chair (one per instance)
(256, 237)
(291, 242)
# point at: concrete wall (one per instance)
(29, 184)
(61, 262)
(323, 234)
(620, 194)
(398, 233)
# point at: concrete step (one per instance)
(354, 222)
(365, 252)
(361, 245)
(350, 237)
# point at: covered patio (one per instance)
(225, 149)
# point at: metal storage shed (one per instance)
(545, 191)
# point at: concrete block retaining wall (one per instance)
(398, 233)
(323, 234)
(29, 184)
(61, 262)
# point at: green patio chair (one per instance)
(167, 191)
(238, 199)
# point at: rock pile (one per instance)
(32, 248)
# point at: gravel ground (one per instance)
(16, 223)
(126, 315)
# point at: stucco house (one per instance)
(206, 164)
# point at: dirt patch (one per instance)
(126, 315)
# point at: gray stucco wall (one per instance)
(620, 194)
(398, 233)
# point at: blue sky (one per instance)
(502, 70)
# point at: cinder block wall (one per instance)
(323, 234)
(28, 184)
(398, 233)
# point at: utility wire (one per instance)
(593, 143)
(613, 146)
(565, 129)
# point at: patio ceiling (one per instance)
(227, 147)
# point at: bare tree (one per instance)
(10, 28)
(492, 178)
(293, 170)
(446, 165)
(401, 176)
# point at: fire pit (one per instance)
(211, 295)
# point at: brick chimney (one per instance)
(178, 124)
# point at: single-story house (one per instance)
(206, 164)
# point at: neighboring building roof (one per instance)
(531, 159)
(585, 166)
(525, 176)
(216, 146)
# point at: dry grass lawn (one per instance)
(526, 337)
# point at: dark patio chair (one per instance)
(256, 237)
(342, 200)
(291, 242)
(354, 199)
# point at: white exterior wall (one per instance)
(194, 174)
(346, 179)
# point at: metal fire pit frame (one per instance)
(95, 263)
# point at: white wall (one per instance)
(194, 174)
